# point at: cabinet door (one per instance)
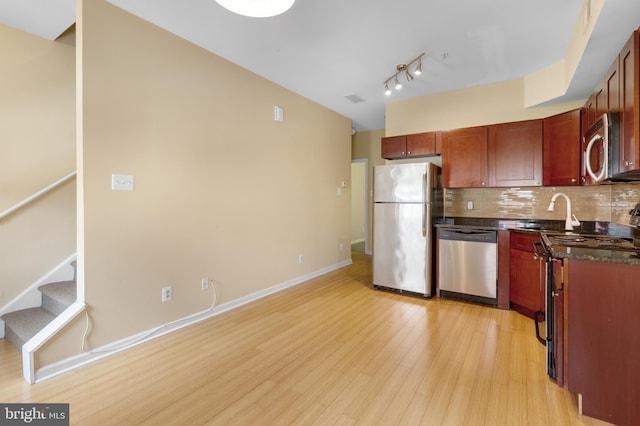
(590, 112)
(562, 149)
(603, 339)
(600, 100)
(393, 147)
(612, 88)
(526, 275)
(515, 154)
(525, 282)
(421, 144)
(630, 104)
(464, 158)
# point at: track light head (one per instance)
(387, 91)
(398, 85)
(418, 70)
(408, 75)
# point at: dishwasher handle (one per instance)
(469, 234)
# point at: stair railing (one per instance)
(37, 195)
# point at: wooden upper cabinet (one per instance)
(421, 144)
(589, 112)
(394, 147)
(612, 88)
(515, 154)
(414, 145)
(629, 66)
(600, 98)
(562, 148)
(464, 157)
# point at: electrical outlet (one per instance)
(300, 259)
(205, 284)
(341, 246)
(167, 293)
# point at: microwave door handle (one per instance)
(587, 159)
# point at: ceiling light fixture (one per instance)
(257, 8)
(404, 68)
(418, 70)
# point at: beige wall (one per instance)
(221, 190)
(488, 104)
(37, 141)
(37, 117)
(359, 208)
(366, 145)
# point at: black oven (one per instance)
(553, 316)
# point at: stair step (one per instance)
(56, 297)
(22, 325)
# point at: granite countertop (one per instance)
(594, 254)
(550, 227)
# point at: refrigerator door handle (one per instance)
(424, 203)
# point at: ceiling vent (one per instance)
(356, 99)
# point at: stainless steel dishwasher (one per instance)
(468, 264)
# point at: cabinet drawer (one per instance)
(523, 241)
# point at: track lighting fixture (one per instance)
(404, 68)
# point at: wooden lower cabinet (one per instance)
(526, 275)
(603, 339)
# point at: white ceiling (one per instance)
(326, 49)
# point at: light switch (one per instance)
(278, 113)
(122, 182)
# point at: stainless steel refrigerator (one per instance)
(407, 198)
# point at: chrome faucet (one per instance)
(571, 219)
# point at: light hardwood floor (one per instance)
(330, 351)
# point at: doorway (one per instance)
(360, 206)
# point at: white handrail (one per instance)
(36, 195)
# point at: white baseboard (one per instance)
(96, 354)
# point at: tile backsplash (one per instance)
(609, 203)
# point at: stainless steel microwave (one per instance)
(601, 150)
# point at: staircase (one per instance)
(22, 325)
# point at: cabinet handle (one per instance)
(628, 163)
(482, 183)
(535, 257)
(402, 152)
(408, 152)
(573, 180)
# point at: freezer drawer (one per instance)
(402, 248)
